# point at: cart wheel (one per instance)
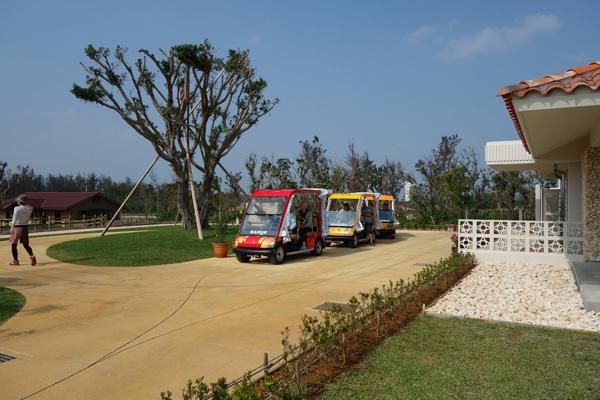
(278, 255)
(354, 242)
(243, 258)
(318, 248)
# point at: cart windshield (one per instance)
(263, 216)
(386, 216)
(342, 212)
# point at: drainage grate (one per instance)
(5, 357)
(346, 309)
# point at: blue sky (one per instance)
(392, 76)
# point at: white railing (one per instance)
(507, 152)
(534, 237)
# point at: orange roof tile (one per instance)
(568, 81)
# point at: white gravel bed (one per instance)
(537, 294)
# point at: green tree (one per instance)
(271, 174)
(27, 181)
(203, 102)
(430, 192)
(512, 190)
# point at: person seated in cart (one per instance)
(387, 218)
(304, 225)
(346, 216)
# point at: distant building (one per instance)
(407, 191)
(62, 205)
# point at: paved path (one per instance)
(130, 333)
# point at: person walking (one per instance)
(367, 214)
(19, 229)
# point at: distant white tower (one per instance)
(407, 191)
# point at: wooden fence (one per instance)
(339, 338)
(55, 223)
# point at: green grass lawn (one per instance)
(142, 246)
(62, 232)
(436, 358)
(11, 302)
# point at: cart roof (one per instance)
(284, 192)
(353, 195)
(383, 197)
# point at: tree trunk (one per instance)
(205, 189)
(188, 220)
(203, 207)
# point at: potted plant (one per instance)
(221, 245)
(454, 239)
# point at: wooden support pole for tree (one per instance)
(233, 180)
(128, 197)
(196, 212)
(187, 155)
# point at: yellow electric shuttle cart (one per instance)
(344, 217)
(387, 217)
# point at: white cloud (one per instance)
(499, 38)
(421, 34)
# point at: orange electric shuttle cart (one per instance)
(387, 217)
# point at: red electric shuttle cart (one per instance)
(272, 225)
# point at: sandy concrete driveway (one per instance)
(130, 333)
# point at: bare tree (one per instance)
(205, 104)
(312, 166)
(362, 172)
(7, 179)
(392, 179)
(338, 176)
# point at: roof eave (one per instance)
(513, 115)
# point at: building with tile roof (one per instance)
(557, 119)
(62, 205)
